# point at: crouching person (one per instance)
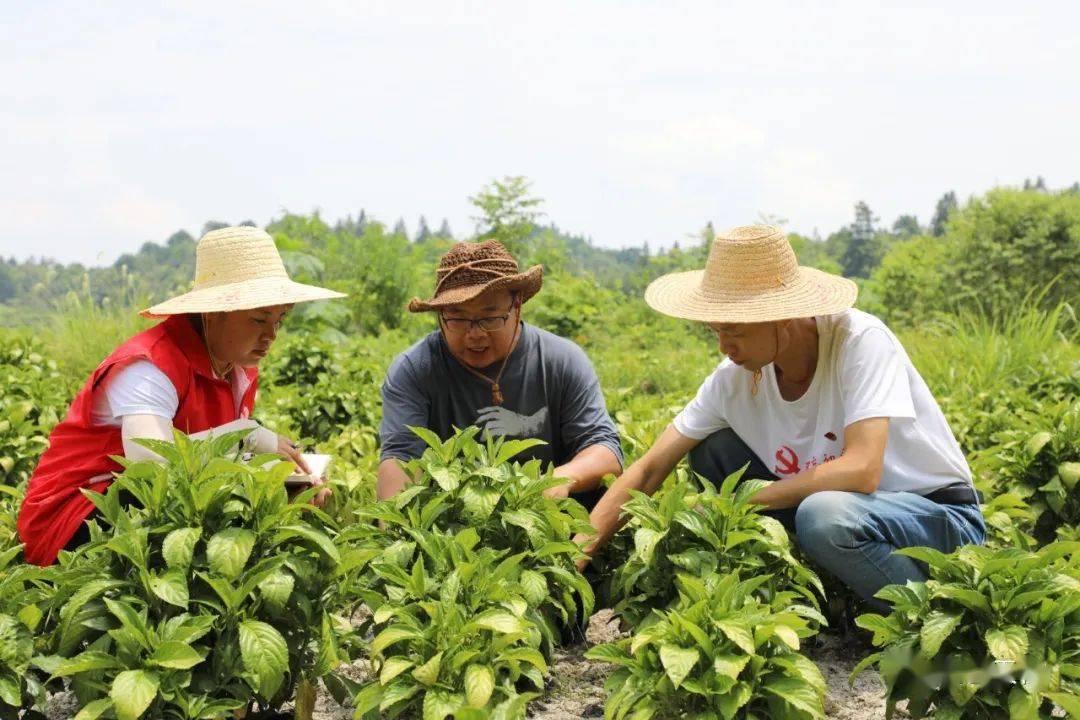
(822, 399)
(486, 366)
(196, 371)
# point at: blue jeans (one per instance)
(852, 535)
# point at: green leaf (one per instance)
(1022, 705)
(132, 692)
(94, 710)
(389, 636)
(937, 626)
(1037, 442)
(265, 656)
(86, 661)
(497, 621)
(176, 655)
(439, 704)
(738, 634)
(797, 693)
(178, 547)
(393, 667)
(277, 587)
(316, 537)
(10, 690)
(1069, 472)
(1066, 701)
(1008, 643)
(730, 665)
(479, 684)
(428, 673)
(228, 551)
(171, 586)
(678, 662)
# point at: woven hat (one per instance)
(238, 268)
(751, 275)
(470, 268)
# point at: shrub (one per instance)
(456, 631)
(462, 484)
(1038, 460)
(201, 589)
(24, 593)
(720, 651)
(991, 634)
(702, 532)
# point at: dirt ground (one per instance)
(576, 688)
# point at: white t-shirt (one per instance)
(862, 372)
(142, 389)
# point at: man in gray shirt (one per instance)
(484, 366)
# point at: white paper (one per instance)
(318, 465)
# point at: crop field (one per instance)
(209, 592)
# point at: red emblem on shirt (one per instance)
(787, 461)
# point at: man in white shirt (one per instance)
(820, 398)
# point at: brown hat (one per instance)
(470, 268)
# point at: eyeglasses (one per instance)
(490, 324)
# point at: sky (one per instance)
(636, 121)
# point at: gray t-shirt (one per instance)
(550, 392)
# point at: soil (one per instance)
(576, 685)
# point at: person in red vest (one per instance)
(197, 371)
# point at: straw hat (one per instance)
(470, 268)
(238, 268)
(751, 276)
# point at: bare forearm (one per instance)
(845, 473)
(607, 517)
(392, 478)
(588, 468)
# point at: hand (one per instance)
(324, 494)
(286, 448)
(559, 491)
(582, 541)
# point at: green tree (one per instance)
(508, 214)
(444, 230)
(861, 254)
(1012, 243)
(907, 226)
(946, 205)
(423, 232)
(401, 229)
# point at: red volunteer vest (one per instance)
(79, 451)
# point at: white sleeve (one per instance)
(141, 389)
(152, 427)
(705, 414)
(874, 379)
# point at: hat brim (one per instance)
(527, 283)
(246, 295)
(813, 293)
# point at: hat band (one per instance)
(475, 265)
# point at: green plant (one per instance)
(719, 652)
(1038, 460)
(34, 398)
(202, 588)
(460, 483)
(457, 629)
(318, 392)
(700, 532)
(24, 592)
(992, 634)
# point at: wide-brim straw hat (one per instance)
(751, 275)
(470, 269)
(238, 268)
